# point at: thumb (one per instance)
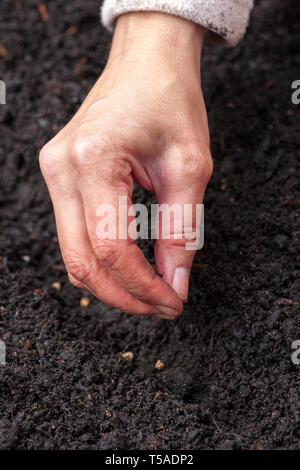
(179, 227)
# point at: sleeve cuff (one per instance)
(227, 19)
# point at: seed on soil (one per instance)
(224, 184)
(71, 30)
(160, 365)
(43, 11)
(3, 52)
(56, 285)
(32, 409)
(128, 356)
(258, 447)
(230, 105)
(158, 395)
(85, 302)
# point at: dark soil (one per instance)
(229, 381)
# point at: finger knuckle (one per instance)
(83, 151)
(74, 281)
(78, 268)
(107, 255)
(183, 236)
(48, 160)
(208, 167)
(96, 157)
(194, 162)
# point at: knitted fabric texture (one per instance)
(226, 18)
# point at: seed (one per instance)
(56, 285)
(159, 365)
(128, 356)
(85, 302)
(259, 447)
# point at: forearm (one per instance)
(159, 56)
(158, 34)
(170, 41)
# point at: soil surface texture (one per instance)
(229, 381)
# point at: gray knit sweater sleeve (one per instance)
(226, 18)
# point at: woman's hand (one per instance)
(144, 121)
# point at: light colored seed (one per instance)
(128, 356)
(160, 365)
(56, 285)
(85, 302)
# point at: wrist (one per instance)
(167, 40)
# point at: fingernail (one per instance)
(166, 311)
(164, 317)
(180, 282)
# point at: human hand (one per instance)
(144, 121)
